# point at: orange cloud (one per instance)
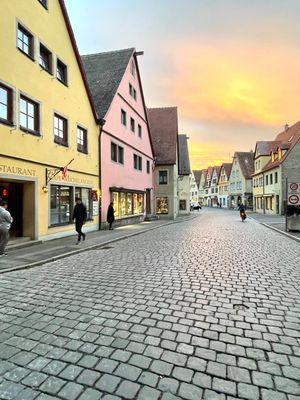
(231, 84)
(205, 153)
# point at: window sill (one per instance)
(62, 82)
(61, 143)
(46, 70)
(82, 151)
(27, 55)
(29, 131)
(6, 122)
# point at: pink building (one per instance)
(126, 155)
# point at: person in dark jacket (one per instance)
(80, 216)
(110, 215)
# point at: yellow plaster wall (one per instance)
(27, 77)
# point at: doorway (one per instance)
(13, 194)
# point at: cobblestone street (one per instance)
(203, 309)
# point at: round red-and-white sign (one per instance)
(294, 186)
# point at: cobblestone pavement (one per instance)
(204, 309)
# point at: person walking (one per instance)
(5, 224)
(80, 216)
(110, 215)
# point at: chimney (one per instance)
(286, 127)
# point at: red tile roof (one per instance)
(286, 140)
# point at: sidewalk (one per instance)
(41, 252)
(275, 222)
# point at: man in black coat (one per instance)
(80, 216)
(110, 215)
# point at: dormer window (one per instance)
(279, 154)
(273, 157)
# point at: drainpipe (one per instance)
(101, 122)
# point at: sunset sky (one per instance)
(231, 66)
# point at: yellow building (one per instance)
(46, 120)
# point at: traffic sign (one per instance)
(293, 200)
(294, 187)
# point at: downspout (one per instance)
(101, 122)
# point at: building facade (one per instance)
(240, 181)
(47, 120)
(279, 164)
(125, 146)
(223, 189)
(202, 183)
(164, 134)
(184, 172)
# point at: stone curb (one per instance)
(277, 230)
(71, 253)
(281, 232)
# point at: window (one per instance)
(162, 205)
(25, 41)
(132, 68)
(85, 195)
(6, 104)
(163, 177)
(126, 204)
(29, 115)
(276, 177)
(139, 130)
(267, 179)
(82, 140)
(117, 153)
(271, 179)
(134, 94)
(45, 59)
(60, 130)
(61, 72)
(114, 152)
(132, 125)
(60, 205)
(182, 205)
(137, 162)
(44, 3)
(123, 118)
(148, 167)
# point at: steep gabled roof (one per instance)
(246, 162)
(218, 170)
(163, 124)
(77, 55)
(104, 73)
(184, 167)
(209, 172)
(197, 174)
(285, 140)
(264, 148)
(227, 167)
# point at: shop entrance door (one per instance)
(13, 194)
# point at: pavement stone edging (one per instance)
(276, 230)
(81, 250)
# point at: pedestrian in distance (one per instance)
(242, 210)
(110, 215)
(80, 216)
(5, 224)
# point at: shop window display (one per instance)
(162, 205)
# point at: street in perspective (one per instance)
(201, 308)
